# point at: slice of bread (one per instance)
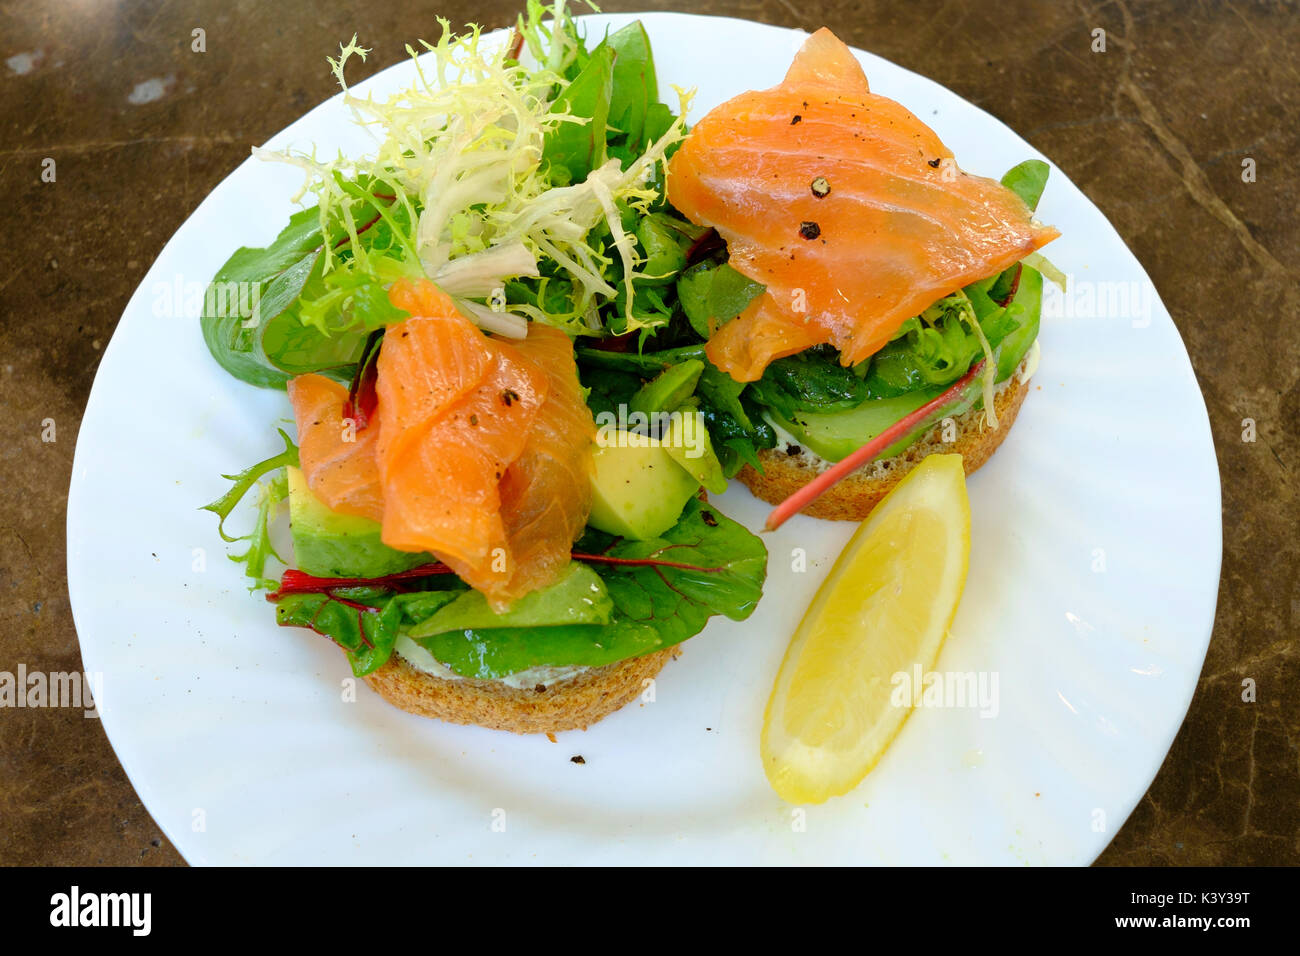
(571, 704)
(853, 498)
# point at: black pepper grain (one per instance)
(809, 230)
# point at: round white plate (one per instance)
(1094, 568)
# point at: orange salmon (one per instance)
(848, 208)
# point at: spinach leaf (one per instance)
(574, 149)
(270, 314)
(813, 380)
(272, 279)
(647, 364)
(716, 567)
(712, 294)
(664, 242)
(1027, 180)
(723, 392)
(635, 88)
(608, 388)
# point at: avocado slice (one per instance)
(668, 389)
(687, 441)
(328, 544)
(579, 596)
(638, 490)
(836, 435)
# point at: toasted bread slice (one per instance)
(853, 498)
(572, 704)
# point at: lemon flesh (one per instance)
(884, 609)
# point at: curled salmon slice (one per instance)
(848, 208)
(447, 437)
(479, 451)
(337, 460)
(546, 492)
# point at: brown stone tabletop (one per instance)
(1184, 131)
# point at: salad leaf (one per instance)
(254, 290)
(937, 350)
(812, 380)
(665, 593)
(366, 632)
(1026, 310)
(635, 88)
(1028, 180)
(260, 549)
(245, 480)
(723, 392)
(712, 294)
(664, 244)
(608, 388)
(557, 47)
(573, 150)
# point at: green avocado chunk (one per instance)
(579, 596)
(327, 544)
(836, 435)
(638, 489)
(668, 389)
(687, 441)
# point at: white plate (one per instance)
(1094, 568)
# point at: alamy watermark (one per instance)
(239, 300)
(77, 689)
(628, 428)
(946, 690)
(1100, 299)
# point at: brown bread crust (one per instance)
(572, 704)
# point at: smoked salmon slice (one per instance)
(848, 208)
(546, 493)
(447, 437)
(337, 460)
(479, 451)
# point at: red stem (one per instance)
(297, 582)
(639, 562)
(822, 483)
(347, 239)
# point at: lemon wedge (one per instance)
(885, 608)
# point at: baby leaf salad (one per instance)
(524, 178)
